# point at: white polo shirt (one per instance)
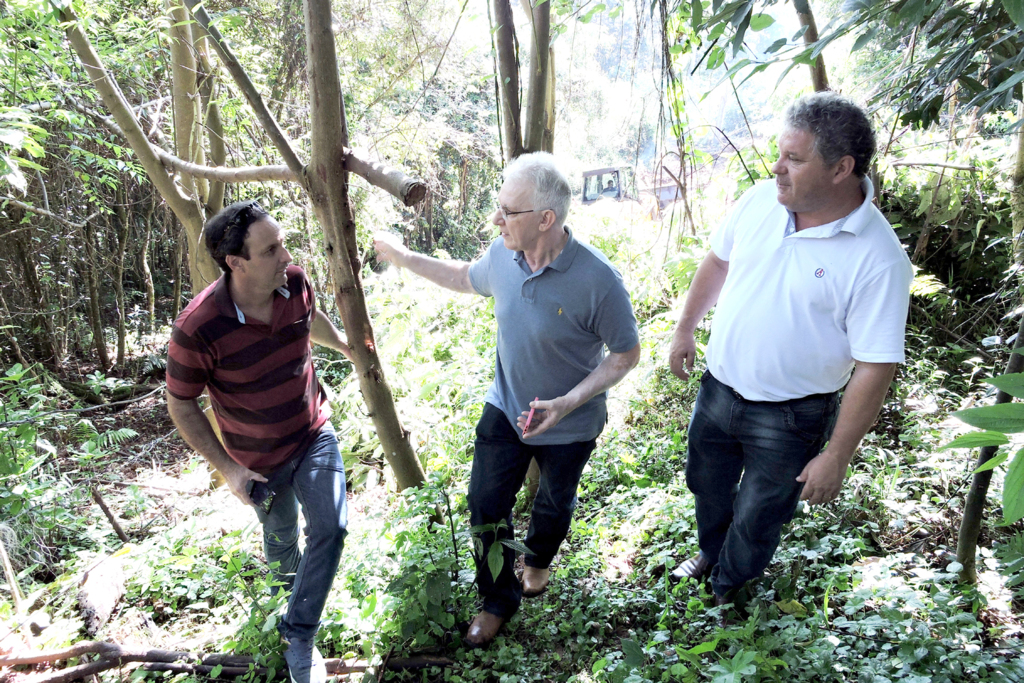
(797, 308)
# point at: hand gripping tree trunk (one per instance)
(327, 183)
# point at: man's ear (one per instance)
(843, 169)
(235, 263)
(547, 220)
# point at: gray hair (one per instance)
(550, 186)
(839, 126)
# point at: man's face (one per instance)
(802, 178)
(520, 231)
(268, 257)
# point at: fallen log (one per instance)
(112, 655)
(101, 590)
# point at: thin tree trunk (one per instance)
(147, 274)
(536, 99)
(1017, 194)
(819, 77)
(548, 139)
(9, 328)
(214, 126)
(176, 267)
(92, 287)
(974, 505)
(46, 336)
(508, 77)
(122, 229)
(329, 194)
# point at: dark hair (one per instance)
(225, 233)
(839, 126)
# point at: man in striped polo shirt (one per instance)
(246, 339)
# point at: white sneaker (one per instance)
(305, 664)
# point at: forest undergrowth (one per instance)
(863, 589)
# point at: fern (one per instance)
(1011, 555)
(116, 437)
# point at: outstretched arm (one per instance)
(823, 476)
(324, 332)
(452, 275)
(196, 430)
(607, 374)
(700, 298)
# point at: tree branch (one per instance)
(957, 167)
(43, 212)
(242, 80)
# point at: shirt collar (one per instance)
(564, 258)
(852, 222)
(227, 306)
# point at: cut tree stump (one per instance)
(102, 588)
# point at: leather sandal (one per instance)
(535, 581)
(696, 567)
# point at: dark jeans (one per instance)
(500, 462)
(316, 481)
(739, 521)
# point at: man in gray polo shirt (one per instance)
(558, 303)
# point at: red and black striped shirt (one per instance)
(265, 393)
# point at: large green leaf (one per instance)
(1013, 490)
(993, 462)
(761, 21)
(977, 440)
(1015, 8)
(1011, 384)
(633, 654)
(1006, 417)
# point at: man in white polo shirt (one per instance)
(558, 304)
(811, 288)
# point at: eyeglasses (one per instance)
(506, 213)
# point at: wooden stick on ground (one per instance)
(12, 579)
(110, 515)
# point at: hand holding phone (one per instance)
(260, 494)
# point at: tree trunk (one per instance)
(214, 126)
(819, 78)
(123, 227)
(1017, 193)
(147, 273)
(9, 328)
(547, 142)
(92, 287)
(177, 264)
(974, 505)
(328, 192)
(536, 99)
(46, 337)
(508, 77)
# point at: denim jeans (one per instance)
(500, 462)
(316, 481)
(739, 520)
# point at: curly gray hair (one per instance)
(550, 186)
(840, 127)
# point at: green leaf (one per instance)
(516, 546)
(776, 46)
(1006, 417)
(495, 560)
(1015, 8)
(761, 21)
(706, 646)
(993, 462)
(1012, 384)
(864, 38)
(696, 14)
(977, 440)
(633, 654)
(1013, 490)
(1009, 83)
(215, 671)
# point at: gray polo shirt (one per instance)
(553, 326)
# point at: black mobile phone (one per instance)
(260, 494)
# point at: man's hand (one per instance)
(545, 416)
(681, 353)
(389, 248)
(822, 478)
(238, 478)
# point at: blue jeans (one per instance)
(316, 481)
(500, 462)
(739, 521)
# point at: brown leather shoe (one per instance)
(535, 581)
(696, 567)
(483, 629)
